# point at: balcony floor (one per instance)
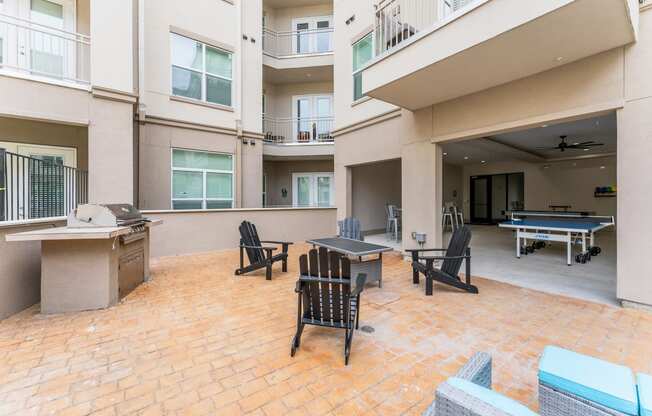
(198, 340)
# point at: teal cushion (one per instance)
(601, 382)
(644, 383)
(488, 396)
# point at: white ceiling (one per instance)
(277, 4)
(522, 145)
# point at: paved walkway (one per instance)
(199, 340)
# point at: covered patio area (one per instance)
(197, 339)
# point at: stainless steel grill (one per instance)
(106, 215)
(132, 248)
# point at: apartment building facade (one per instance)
(236, 104)
(227, 105)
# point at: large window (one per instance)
(201, 180)
(200, 71)
(363, 51)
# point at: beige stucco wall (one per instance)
(373, 187)
(452, 184)
(50, 134)
(345, 112)
(218, 23)
(591, 85)
(634, 182)
(280, 19)
(279, 97)
(202, 231)
(155, 155)
(111, 152)
(112, 44)
(279, 177)
(569, 182)
(20, 268)
(27, 99)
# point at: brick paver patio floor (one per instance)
(199, 340)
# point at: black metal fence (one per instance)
(39, 188)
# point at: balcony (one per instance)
(298, 49)
(298, 137)
(42, 52)
(298, 130)
(431, 51)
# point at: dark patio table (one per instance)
(357, 249)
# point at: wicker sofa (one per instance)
(607, 389)
(469, 394)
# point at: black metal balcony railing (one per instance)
(32, 188)
(298, 130)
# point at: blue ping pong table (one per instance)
(569, 228)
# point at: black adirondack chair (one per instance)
(326, 297)
(259, 255)
(458, 250)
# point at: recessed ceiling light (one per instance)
(544, 126)
(483, 161)
(466, 158)
(546, 166)
(586, 150)
(602, 167)
(445, 154)
(576, 143)
(560, 58)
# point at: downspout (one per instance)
(140, 89)
(238, 112)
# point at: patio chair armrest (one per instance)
(477, 370)
(259, 247)
(298, 288)
(360, 281)
(418, 250)
(443, 257)
(450, 401)
(285, 243)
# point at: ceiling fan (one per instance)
(563, 145)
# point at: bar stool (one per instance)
(446, 218)
(459, 215)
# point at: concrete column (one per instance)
(111, 151)
(634, 222)
(343, 191)
(252, 174)
(422, 193)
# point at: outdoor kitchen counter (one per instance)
(66, 233)
(86, 268)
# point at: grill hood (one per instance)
(104, 215)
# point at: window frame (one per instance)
(204, 200)
(314, 189)
(204, 73)
(358, 71)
